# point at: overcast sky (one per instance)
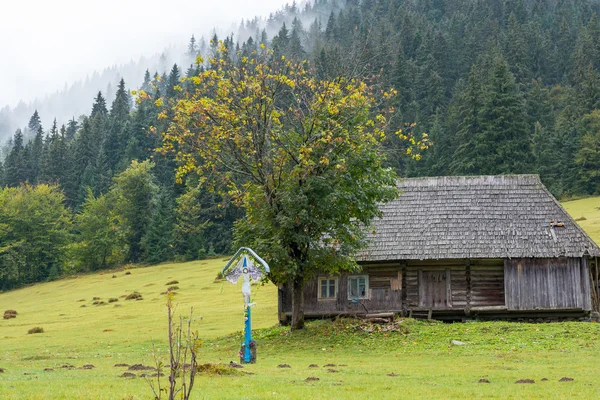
(47, 43)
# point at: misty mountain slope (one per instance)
(500, 87)
(75, 98)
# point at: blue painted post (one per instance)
(248, 336)
(247, 327)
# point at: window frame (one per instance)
(366, 278)
(320, 288)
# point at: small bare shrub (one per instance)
(184, 344)
(37, 329)
(133, 296)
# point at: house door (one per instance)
(434, 289)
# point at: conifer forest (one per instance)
(500, 87)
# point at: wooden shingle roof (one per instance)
(508, 216)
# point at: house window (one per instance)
(358, 287)
(327, 288)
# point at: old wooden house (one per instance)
(465, 247)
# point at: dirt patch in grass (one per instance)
(483, 380)
(108, 330)
(332, 370)
(175, 282)
(283, 366)
(8, 314)
(525, 381)
(95, 298)
(313, 366)
(121, 365)
(36, 358)
(87, 366)
(48, 369)
(80, 300)
(582, 218)
(37, 329)
(134, 296)
(311, 379)
(140, 367)
(329, 365)
(113, 300)
(2, 370)
(127, 375)
(566, 379)
(68, 366)
(128, 273)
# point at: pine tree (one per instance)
(587, 157)
(99, 107)
(34, 125)
(469, 103)
(34, 157)
(173, 80)
(158, 241)
(505, 145)
(72, 127)
(15, 170)
(192, 50)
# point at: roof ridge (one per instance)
(520, 179)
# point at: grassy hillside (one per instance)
(77, 332)
(419, 355)
(587, 214)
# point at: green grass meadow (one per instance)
(419, 356)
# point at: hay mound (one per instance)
(8, 314)
(134, 296)
(217, 369)
(141, 367)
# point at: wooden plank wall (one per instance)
(552, 283)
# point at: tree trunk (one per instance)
(297, 304)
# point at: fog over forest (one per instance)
(66, 52)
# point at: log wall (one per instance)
(528, 284)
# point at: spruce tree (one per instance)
(504, 146)
(15, 169)
(158, 240)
